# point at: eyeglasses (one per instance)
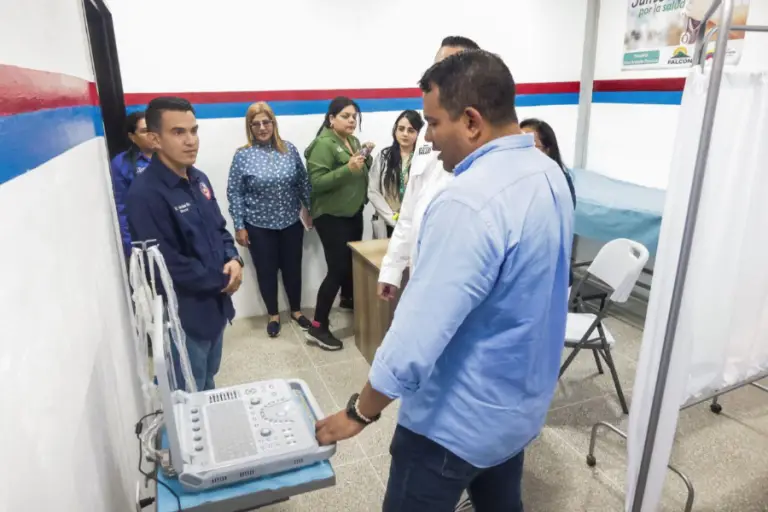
(266, 123)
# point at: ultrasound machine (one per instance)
(237, 433)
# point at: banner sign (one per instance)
(661, 34)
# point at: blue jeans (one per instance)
(205, 359)
(425, 477)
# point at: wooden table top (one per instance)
(372, 251)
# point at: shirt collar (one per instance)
(521, 141)
(170, 178)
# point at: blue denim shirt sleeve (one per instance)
(235, 191)
(303, 183)
(457, 265)
(149, 219)
(120, 184)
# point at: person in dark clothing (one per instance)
(173, 203)
(126, 165)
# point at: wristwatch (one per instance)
(239, 260)
(353, 411)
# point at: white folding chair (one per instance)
(618, 265)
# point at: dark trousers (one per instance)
(277, 249)
(390, 230)
(335, 233)
(425, 477)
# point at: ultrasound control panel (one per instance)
(246, 431)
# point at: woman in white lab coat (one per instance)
(390, 171)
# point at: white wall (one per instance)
(292, 45)
(635, 142)
(69, 398)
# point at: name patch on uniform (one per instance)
(425, 149)
(205, 190)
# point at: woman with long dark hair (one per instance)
(546, 141)
(390, 170)
(338, 171)
(126, 166)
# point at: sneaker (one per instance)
(323, 338)
(348, 304)
(303, 322)
(273, 329)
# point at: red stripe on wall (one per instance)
(28, 90)
(640, 85)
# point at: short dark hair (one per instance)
(474, 78)
(156, 107)
(459, 42)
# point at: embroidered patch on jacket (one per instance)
(205, 190)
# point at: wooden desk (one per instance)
(372, 315)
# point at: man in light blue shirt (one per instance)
(475, 345)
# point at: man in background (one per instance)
(173, 203)
(427, 177)
(474, 349)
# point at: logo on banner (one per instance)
(205, 190)
(680, 56)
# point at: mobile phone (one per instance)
(365, 151)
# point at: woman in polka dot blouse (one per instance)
(268, 186)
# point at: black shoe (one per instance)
(273, 328)
(348, 304)
(303, 322)
(323, 338)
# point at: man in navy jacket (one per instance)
(173, 202)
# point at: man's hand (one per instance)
(337, 428)
(235, 273)
(241, 236)
(386, 291)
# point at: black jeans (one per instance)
(425, 477)
(335, 233)
(273, 250)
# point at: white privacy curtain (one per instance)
(722, 333)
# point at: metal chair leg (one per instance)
(568, 361)
(597, 362)
(606, 353)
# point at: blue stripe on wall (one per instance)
(300, 108)
(639, 97)
(30, 139)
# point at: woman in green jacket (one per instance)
(338, 171)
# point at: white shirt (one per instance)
(426, 179)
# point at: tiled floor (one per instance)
(725, 456)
